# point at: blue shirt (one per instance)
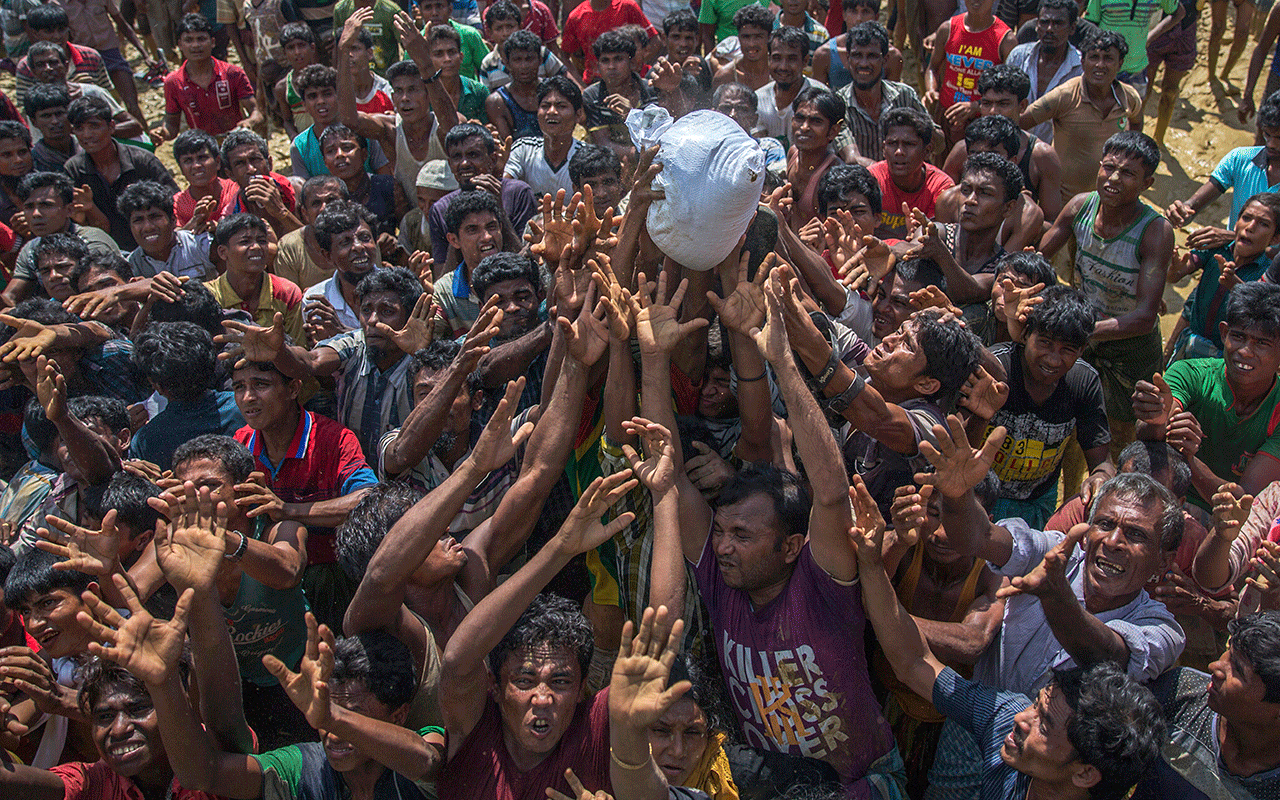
(988, 715)
(1244, 172)
(183, 420)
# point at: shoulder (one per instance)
(285, 290)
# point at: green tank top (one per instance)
(263, 620)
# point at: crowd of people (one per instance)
(415, 469)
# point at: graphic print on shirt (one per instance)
(1030, 453)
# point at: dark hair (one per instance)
(790, 36)
(60, 244)
(434, 357)
(501, 10)
(823, 99)
(1066, 315)
(1138, 488)
(193, 23)
(592, 159)
(178, 357)
(369, 522)
(499, 267)
(1136, 144)
(337, 131)
(523, 41)
(1257, 638)
(1006, 172)
(753, 15)
(874, 5)
(549, 621)
(843, 180)
(33, 574)
(1029, 264)
(230, 226)
(127, 494)
(196, 304)
(563, 87)
(337, 218)
(107, 262)
(613, 41)
(145, 195)
(682, 19)
(736, 88)
(379, 661)
(951, 352)
(193, 141)
(364, 37)
(44, 311)
(7, 559)
(1269, 112)
(1152, 458)
(1007, 79)
(914, 119)
(42, 96)
(81, 110)
(1271, 202)
(405, 67)
(996, 130)
(1116, 725)
(922, 271)
(469, 130)
(39, 49)
(1254, 305)
(318, 182)
(39, 180)
(316, 76)
(110, 411)
(47, 17)
(1105, 40)
(297, 30)
(42, 432)
(1070, 6)
(866, 33)
(9, 129)
(234, 457)
(397, 280)
(445, 31)
(238, 138)
(467, 203)
(790, 496)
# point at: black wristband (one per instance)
(841, 401)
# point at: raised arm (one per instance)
(658, 474)
(415, 47)
(958, 468)
(1212, 568)
(742, 310)
(464, 680)
(379, 127)
(256, 343)
(831, 515)
(1063, 228)
(96, 460)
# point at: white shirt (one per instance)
(329, 290)
(1025, 57)
(528, 163)
(189, 257)
(776, 122)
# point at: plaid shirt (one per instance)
(861, 129)
(370, 401)
(108, 370)
(26, 492)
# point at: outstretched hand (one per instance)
(149, 648)
(658, 325)
(190, 544)
(496, 446)
(1049, 578)
(251, 342)
(657, 471)
(958, 467)
(638, 692)
(582, 530)
(81, 549)
(308, 688)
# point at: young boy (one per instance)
(754, 23)
(521, 72)
(198, 159)
(373, 93)
(319, 86)
(46, 106)
(592, 18)
(905, 176)
(161, 246)
(301, 51)
(386, 45)
(468, 95)
(793, 13)
(244, 247)
(964, 46)
(544, 163)
(213, 95)
(680, 30)
(1257, 229)
(501, 20)
(473, 48)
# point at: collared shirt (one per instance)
(1080, 129)
(323, 462)
(865, 131)
(370, 401)
(84, 65)
(183, 420)
(456, 306)
(988, 715)
(330, 290)
(184, 205)
(1027, 649)
(189, 257)
(1026, 57)
(99, 242)
(214, 108)
(275, 294)
(1244, 172)
(136, 165)
(777, 121)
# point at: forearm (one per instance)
(297, 362)
(970, 532)
(814, 442)
(814, 270)
(1136, 323)
(96, 460)
(1085, 637)
(902, 642)
(620, 400)
(666, 569)
(190, 752)
(954, 642)
(398, 748)
(961, 286)
(1212, 568)
(423, 426)
(324, 513)
(80, 335)
(655, 397)
(275, 566)
(755, 403)
(442, 106)
(510, 360)
(1204, 479)
(630, 745)
(218, 675)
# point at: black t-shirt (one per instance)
(1029, 461)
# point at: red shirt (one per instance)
(541, 21)
(967, 54)
(85, 781)
(286, 194)
(482, 767)
(324, 462)
(925, 198)
(184, 205)
(585, 25)
(214, 108)
(378, 104)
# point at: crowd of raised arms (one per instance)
(414, 469)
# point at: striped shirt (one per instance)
(370, 401)
(1107, 269)
(865, 131)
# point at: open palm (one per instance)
(148, 647)
(83, 550)
(657, 471)
(308, 688)
(190, 549)
(958, 467)
(638, 691)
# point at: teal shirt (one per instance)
(1210, 296)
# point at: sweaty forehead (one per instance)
(542, 658)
